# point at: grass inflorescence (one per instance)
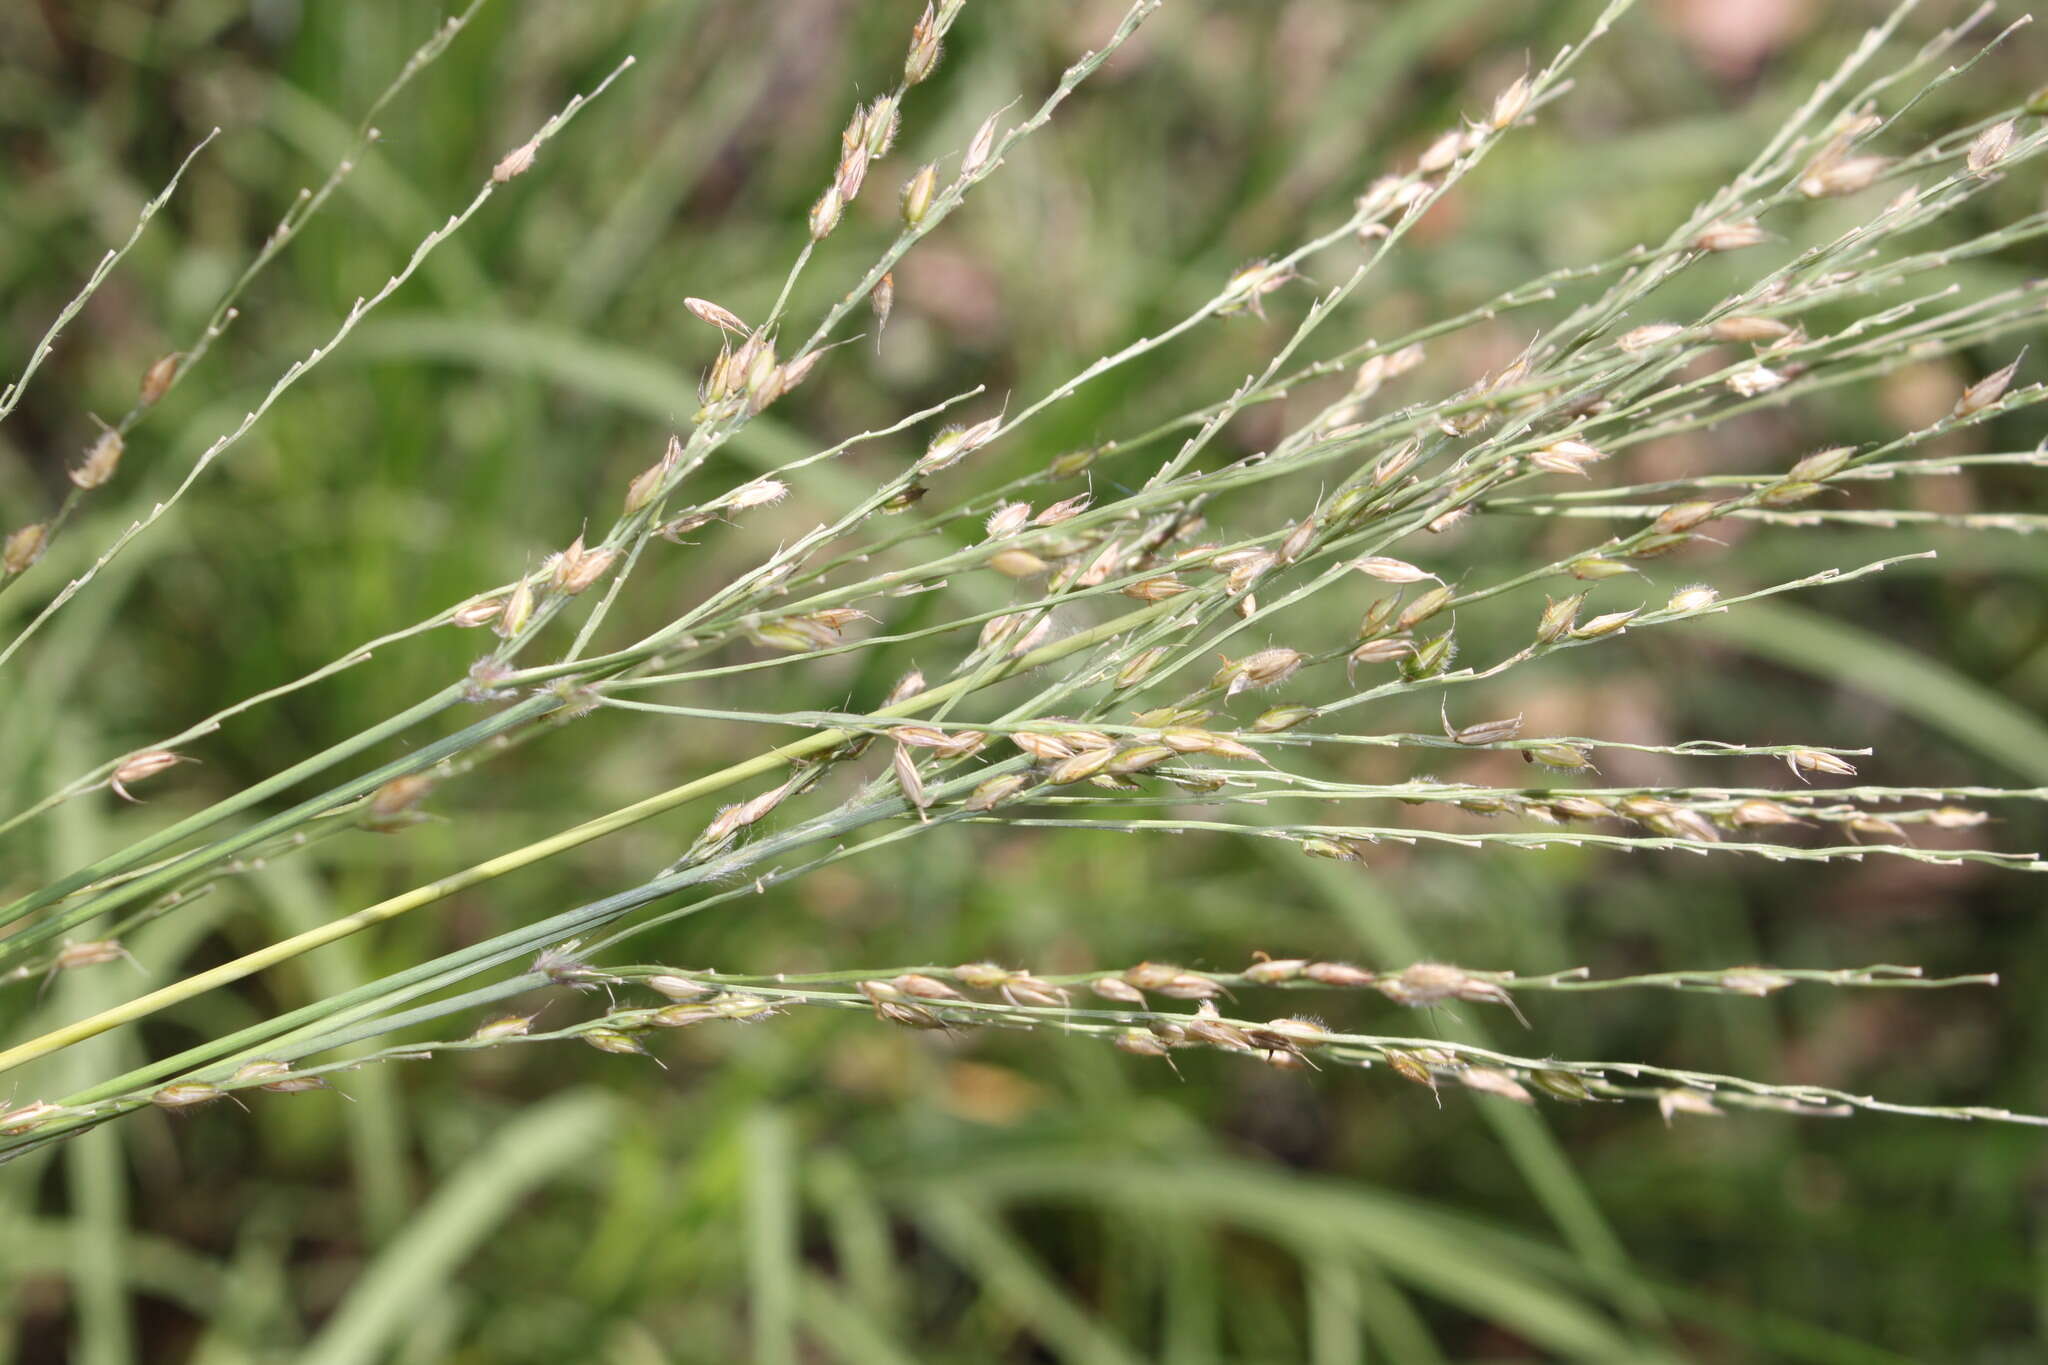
(1135, 637)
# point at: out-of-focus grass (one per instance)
(823, 1188)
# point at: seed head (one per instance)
(955, 443)
(1489, 1081)
(678, 988)
(1281, 718)
(91, 953)
(1117, 989)
(1486, 731)
(1066, 509)
(882, 299)
(1297, 541)
(1581, 808)
(102, 457)
(1045, 748)
(982, 976)
(1138, 1042)
(1070, 463)
(924, 48)
(1510, 104)
(722, 318)
(1390, 570)
(1753, 981)
(980, 147)
(1563, 757)
(614, 1041)
(1024, 989)
(1683, 823)
(274, 1076)
(23, 548)
(1271, 971)
(883, 119)
(1822, 464)
(744, 1007)
(1648, 336)
(904, 765)
(1747, 328)
(1698, 597)
(1607, 624)
(1835, 176)
(480, 612)
(140, 766)
(157, 379)
(645, 485)
(1440, 524)
(1207, 1027)
(1079, 767)
(1189, 986)
(1757, 812)
(1567, 457)
(1267, 668)
(1683, 516)
(1671, 1102)
(1730, 236)
(1396, 462)
(826, 212)
(1559, 616)
(518, 161)
(918, 986)
(1151, 976)
(721, 379)
(502, 1027)
(1430, 658)
(683, 1014)
(1752, 381)
(1424, 607)
(1340, 974)
(1139, 759)
(1560, 1085)
(1593, 568)
(1379, 651)
(1987, 390)
(1007, 520)
(1786, 494)
(759, 493)
(1134, 672)
(799, 369)
(1248, 288)
(1804, 761)
(1290, 1035)
(28, 1117)
(917, 194)
(517, 612)
(1379, 197)
(186, 1095)
(1156, 589)
(1991, 146)
(397, 797)
(1017, 563)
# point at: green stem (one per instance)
(286, 949)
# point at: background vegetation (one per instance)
(821, 1187)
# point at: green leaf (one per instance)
(419, 1264)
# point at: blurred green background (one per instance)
(824, 1188)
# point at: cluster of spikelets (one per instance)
(956, 1000)
(1121, 606)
